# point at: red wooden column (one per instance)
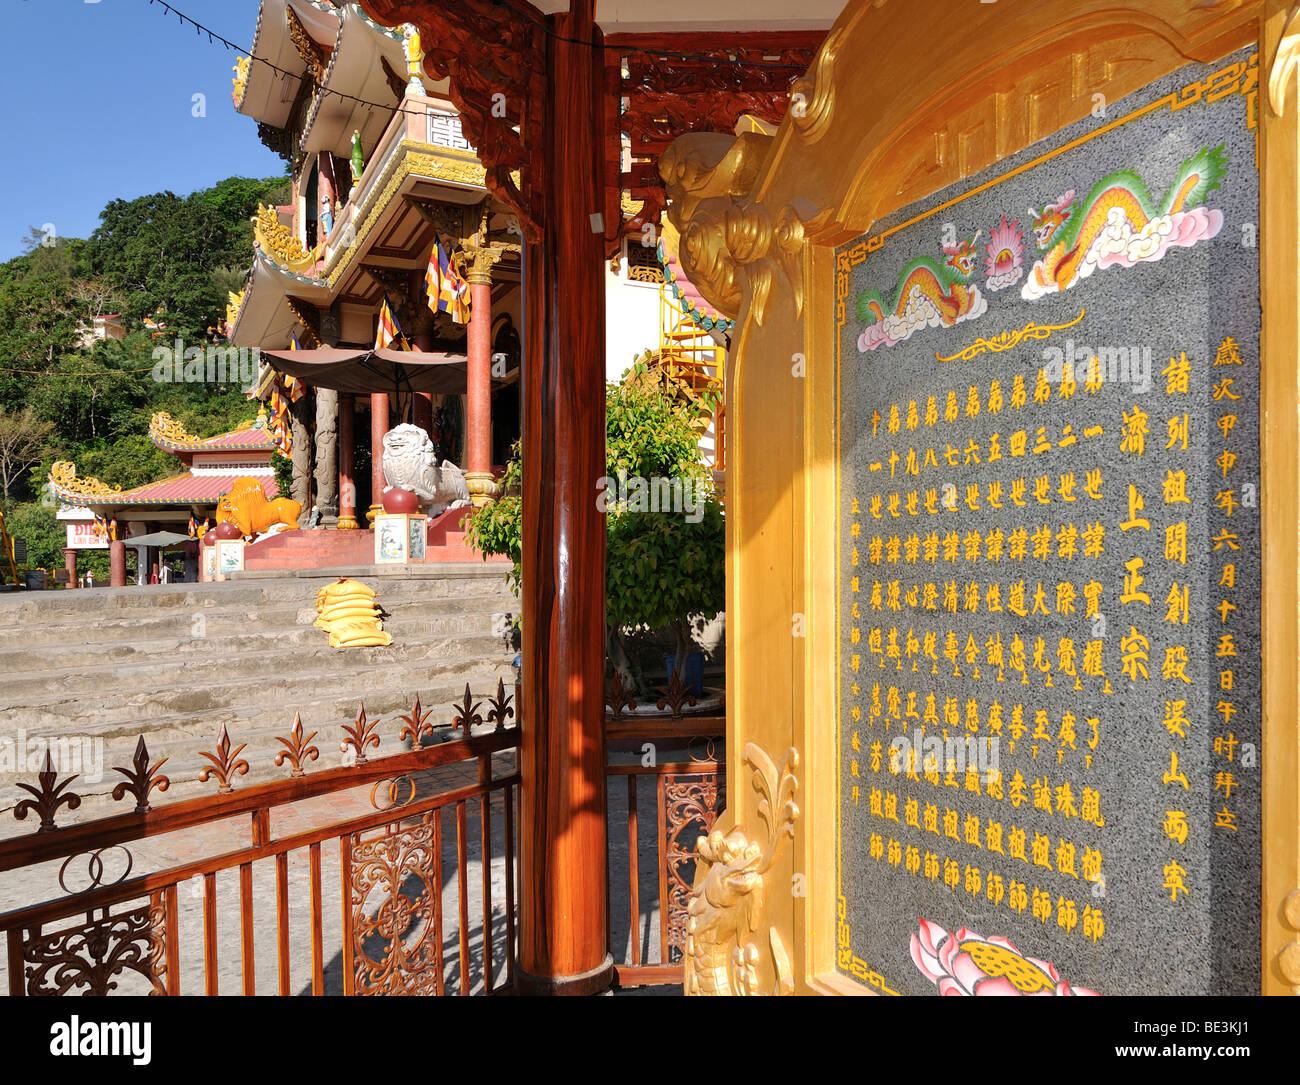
(563, 928)
(117, 563)
(478, 429)
(378, 427)
(423, 337)
(347, 462)
(70, 563)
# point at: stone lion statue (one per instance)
(247, 507)
(411, 464)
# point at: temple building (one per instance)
(96, 514)
(391, 240)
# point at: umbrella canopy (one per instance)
(363, 372)
(164, 539)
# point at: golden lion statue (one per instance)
(247, 507)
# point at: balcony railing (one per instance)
(411, 891)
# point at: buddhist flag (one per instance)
(280, 428)
(389, 330)
(447, 289)
(292, 385)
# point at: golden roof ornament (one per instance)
(168, 430)
(240, 83)
(63, 478)
(277, 241)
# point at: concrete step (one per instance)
(273, 660)
(208, 618)
(47, 650)
(181, 738)
(110, 664)
(251, 588)
(364, 668)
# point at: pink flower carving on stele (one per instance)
(967, 963)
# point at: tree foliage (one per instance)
(661, 567)
(180, 255)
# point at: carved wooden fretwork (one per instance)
(494, 55)
(396, 84)
(691, 806)
(452, 221)
(312, 54)
(666, 96)
(93, 957)
(726, 905)
(396, 900)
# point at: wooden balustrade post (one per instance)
(563, 904)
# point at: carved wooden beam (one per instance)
(668, 95)
(448, 219)
(309, 317)
(494, 54)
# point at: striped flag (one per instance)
(447, 289)
(280, 428)
(292, 385)
(389, 330)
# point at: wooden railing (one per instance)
(676, 765)
(231, 905)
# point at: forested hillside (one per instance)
(171, 260)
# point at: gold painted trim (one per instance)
(1008, 339)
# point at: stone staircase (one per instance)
(174, 662)
(312, 549)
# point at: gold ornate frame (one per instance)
(869, 131)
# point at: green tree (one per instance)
(661, 567)
(23, 440)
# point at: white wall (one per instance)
(631, 320)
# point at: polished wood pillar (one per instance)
(563, 925)
(347, 462)
(478, 400)
(70, 563)
(378, 427)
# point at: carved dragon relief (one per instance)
(726, 905)
(731, 250)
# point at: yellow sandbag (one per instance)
(359, 635)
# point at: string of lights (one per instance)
(215, 38)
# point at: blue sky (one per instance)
(98, 105)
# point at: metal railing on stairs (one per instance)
(358, 879)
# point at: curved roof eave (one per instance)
(354, 70)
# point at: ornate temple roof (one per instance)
(201, 487)
(183, 489)
(169, 435)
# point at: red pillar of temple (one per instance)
(423, 411)
(117, 563)
(563, 930)
(478, 428)
(70, 563)
(378, 427)
(347, 462)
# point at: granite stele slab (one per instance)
(1049, 575)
